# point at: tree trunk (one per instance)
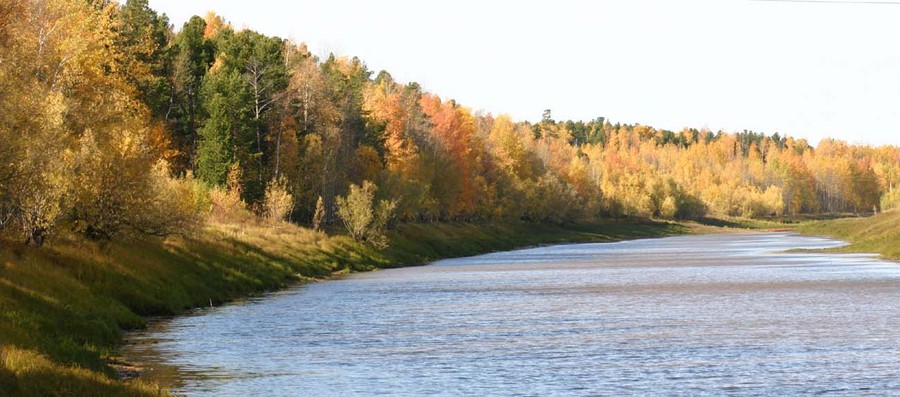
(35, 237)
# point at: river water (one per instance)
(717, 314)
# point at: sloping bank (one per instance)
(63, 308)
(879, 233)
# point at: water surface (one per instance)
(718, 314)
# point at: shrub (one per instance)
(551, 200)
(113, 186)
(365, 220)
(119, 191)
(319, 215)
(175, 206)
(226, 205)
(278, 202)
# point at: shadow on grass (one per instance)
(717, 222)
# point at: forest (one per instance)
(117, 123)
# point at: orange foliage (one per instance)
(453, 128)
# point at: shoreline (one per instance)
(132, 369)
(119, 287)
(181, 378)
(877, 234)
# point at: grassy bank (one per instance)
(879, 234)
(64, 307)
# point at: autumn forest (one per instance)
(117, 123)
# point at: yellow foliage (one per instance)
(214, 25)
(278, 203)
(226, 206)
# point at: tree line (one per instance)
(116, 123)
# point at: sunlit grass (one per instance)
(878, 234)
(28, 373)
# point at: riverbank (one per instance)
(596, 319)
(64, 307)
(877, 234)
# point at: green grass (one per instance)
(64, 307)
(28, 373)
(878, 234)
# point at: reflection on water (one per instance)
(683, 315)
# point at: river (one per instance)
(715, 314)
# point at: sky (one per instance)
(809, 69)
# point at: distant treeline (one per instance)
(113, 122)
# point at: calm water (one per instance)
(720, 314)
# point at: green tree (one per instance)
(227, 133)
(259, 59)
(192, 55)
(143, 36)
(250, 74)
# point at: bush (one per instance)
(551, 200)
(319, 215)
(38, 204)
(113, 183)
(119, 191)
(226, 205)
(278, 203)
(668, 209)
(176, 205)
(690, 207)
(365, 221)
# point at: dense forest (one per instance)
(114, 123)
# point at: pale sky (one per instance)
(807, 69)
